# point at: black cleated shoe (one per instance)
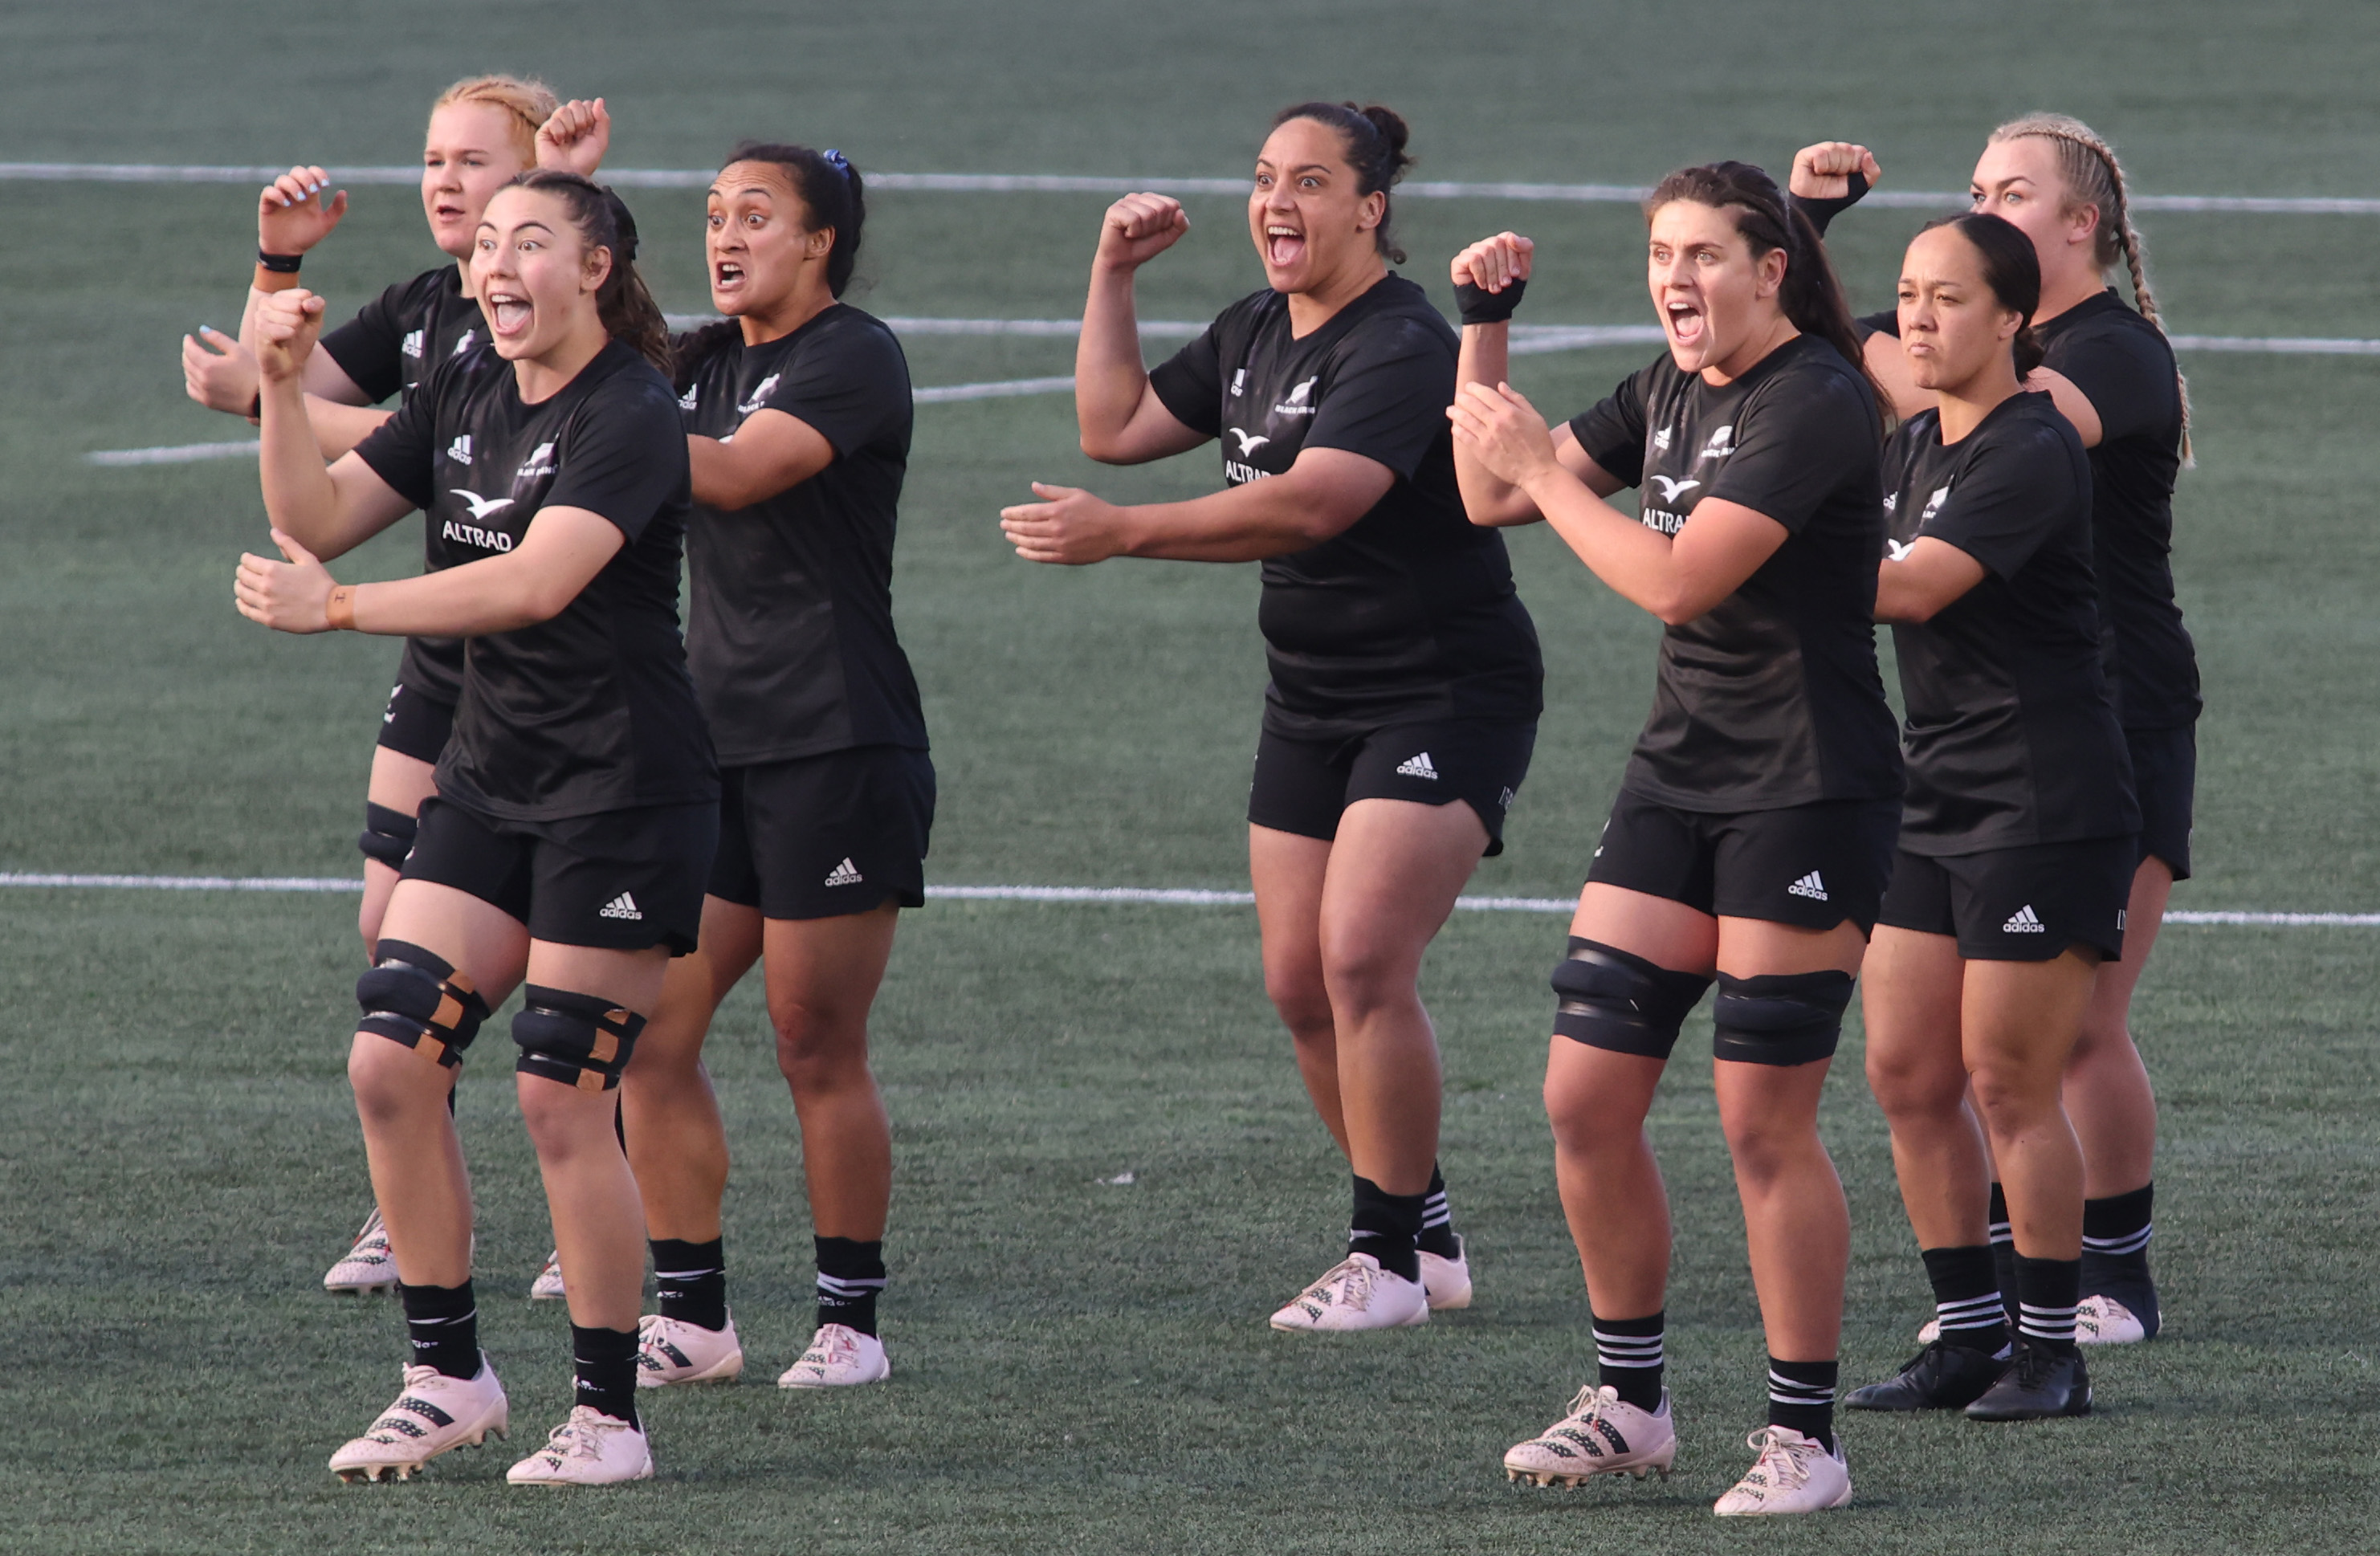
(1937, 1378)
(2037, 1384)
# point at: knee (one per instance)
(1360, 976)
(1303, 1001)
(1764, 1149)
(2009, 1096)
(390, 1081)
(818, 1047)
(1912, 1087)
(1589, 1122)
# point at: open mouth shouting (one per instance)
(1686, 324)
(1284, 244)
(509, 312)
(727, 278)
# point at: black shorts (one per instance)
(619, 880)
(2165, 774)
(2018, 905)
(415, 725)
(1304, 786)
(818, 837)
(1810, 864)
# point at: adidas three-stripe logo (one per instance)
(621, 906)
(1418, 767)
(844, 874)
(1808, 886)
(2025, 921)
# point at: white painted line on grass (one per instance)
(1069, 183)
(1178, 896)
(175, 454)
(1000, 390)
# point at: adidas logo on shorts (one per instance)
(621, 906)
(2025, 921)
(1504, 801)
(1418, 767)
(844, 874)
(1808, 886)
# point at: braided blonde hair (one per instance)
(2095, 179)
(529, 104)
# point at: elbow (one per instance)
(1105, 449)
(1675, 607)
(541, 603)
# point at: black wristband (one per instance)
(1477, 305)
(280, 264)
(1822, 212)
(256, 407)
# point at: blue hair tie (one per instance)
(837, 161)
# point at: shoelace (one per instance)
(1790, 1459)
(828, 1348)
(2034, 1364)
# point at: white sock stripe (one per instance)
(2130, 1243)
(471, 1316)
(1440, 1217)
(1982, 1312)
(1606, 1341)
(2001, 1232)
(2035, 1309)
(688, 1274)
(837, 1286)
(1787, 1390)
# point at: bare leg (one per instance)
(1288, 871)
(1910, 991)
(677, 1143)
(2107, 1090)
(823, 974)
(2019, 1022)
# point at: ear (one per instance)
(2082, 224)
(1372, 212)
(597, 270)
(1770, 269)
(819, 243)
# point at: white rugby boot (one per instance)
(839, 1357)
(673, 1351)
(1356, 1293)
(434, 1414)
(2103, 1321)
(548, 1286)
(1603, 1434)
(1791, 1475)
(367, 1266)
(1447, 1281)
(590, 1449)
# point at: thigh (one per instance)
(479, 939)
(1287, 870)
(414, 727)
(828, 969)
(1910, 991)
(2111, 995)
(631, 979)
(1395, 873)
(1666, 933)
(2020, 1019)
(841, 833)
(399, 781)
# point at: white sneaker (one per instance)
(839, 1356)
(434, 1414)
(2103, 1321)
(370, 1265)
(673, 1351)
(590, 1449)
(1792, 1475)
(1448, 1280)
(1356, 1293)
(548, 1287)
(1603, 1434)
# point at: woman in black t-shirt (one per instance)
(2112, 373)
(797, 413)
(483, 132)
(578, 802)
(1405, 673)
(1753, 829)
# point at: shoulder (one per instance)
(431, 291)
(1405, 311)
(1816, 381)
(2032, 437)
(846, 330)
(624, 383)
(2107, 326)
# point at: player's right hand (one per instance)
(291, 216)
(1140, 227)
(218, 372)
(1493, 264)
(288, 324)
(1824, 171)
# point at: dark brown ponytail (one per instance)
(628, 310)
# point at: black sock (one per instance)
(2116, 1232)
(850, 1274)
(1627, 1358)
(1437, 1235)
(691, 1279)
(1967, 1298)
(604, 1362)
(2047, 1290)
(442, 1322)
(1384, 1226)
(2003, 1252)
(1802, 1397)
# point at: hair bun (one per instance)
(1393, 130)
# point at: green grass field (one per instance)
(1082, 1366)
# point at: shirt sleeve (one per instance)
(2128, 378)
(403, 449)
(2009, 502)
(1885, 323)
(623, 456)
(849, 388)
(367, 346)
(1795, 442)
(1190, 384)
(1387, 397)
(1613, 430)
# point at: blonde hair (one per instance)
(2095, 179)
(529, 104)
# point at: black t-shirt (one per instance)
(1772, 699)
(2124, 367)
(1409, 613)
(2012, 739)
(592, 710)
(789, 628)
(392, 344)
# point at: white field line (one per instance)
(1172, 897)
(1060, 183)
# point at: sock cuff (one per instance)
(849, 1260)
(595, 1347)
(1651, 1326)
(425, 1305)
(1791, 1382)
(1366, 1191)
(2120, 1219)
(675, 1260)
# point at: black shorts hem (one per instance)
(1814, 867)
(617, 881)
(415, 725)
(1303, 785)
(825, 836)
(2027, 904)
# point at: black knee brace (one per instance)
(1784, 1019)
(409, 995)
(1612, 1000)
(388, 835)
(575, 1038)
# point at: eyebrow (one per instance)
(749, 188)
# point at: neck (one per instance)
(2078, 286)
(548, 374)
(1756, 348)
(808, 298)
(1309, 310)
(463, 267)
(1964, 407)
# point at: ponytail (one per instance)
(1810, 296)
(628, 310)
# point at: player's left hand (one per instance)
(218, 372)
(1504, 430)
(575, 137)
(292, 596)
(1068, 526)
(1824, 171)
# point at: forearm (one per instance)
(1488, 498)
(338, 428)
(1244, 524)
(1109, 379)
(300, 497)
(1638, 563)
(494, 595)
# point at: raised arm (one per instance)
(1324, 493)
(575, 138)
(1916, 581)
(1488, 279)
(772, 451)
(1122, 420)
(328, 510)
(558, 557)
